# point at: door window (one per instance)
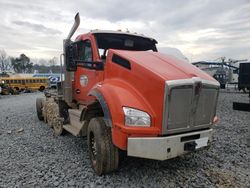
(84, 51)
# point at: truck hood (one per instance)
(166, 66)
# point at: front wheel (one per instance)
(103, 154)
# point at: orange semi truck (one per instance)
(124, 95)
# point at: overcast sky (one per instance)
(201, 29)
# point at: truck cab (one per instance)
(124, 95)
(94, 48)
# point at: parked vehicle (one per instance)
(53, 78)
(24, 83)
(124, 95)
(220, 76)
(6, 90)
(223, 72)
(244, 77)
(244, 84)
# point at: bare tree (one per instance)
(53, 61)
(5, 64)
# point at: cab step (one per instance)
(75, 112)
(72, 129)
(76, 127)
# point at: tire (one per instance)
(39, 108)
(57, 122)
(41, 88)
(50, 113)
(104, 156)
(58, 128)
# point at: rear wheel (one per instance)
(57, 121)
(58, 128)
(103, 154)
(41, 88)
(39, 108)
(51, 108)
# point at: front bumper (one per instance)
(162, 148)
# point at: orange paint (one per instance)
(141, 88)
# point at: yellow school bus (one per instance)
(25, 83)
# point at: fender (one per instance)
(105, 108)
(113, 94)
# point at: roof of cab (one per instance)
(97, 31)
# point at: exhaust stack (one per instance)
(67, 85)
(75, 26)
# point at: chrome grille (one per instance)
(189, 104)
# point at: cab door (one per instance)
(84, 78)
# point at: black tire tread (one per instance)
(107, 158)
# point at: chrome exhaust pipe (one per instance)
(74, 27)
(67, 85)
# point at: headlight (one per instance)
(135, 117)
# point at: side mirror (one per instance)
(69, 58)
(72, 60)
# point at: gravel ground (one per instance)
(30, 156)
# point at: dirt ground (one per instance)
(30, 156)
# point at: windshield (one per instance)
(107, 41)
